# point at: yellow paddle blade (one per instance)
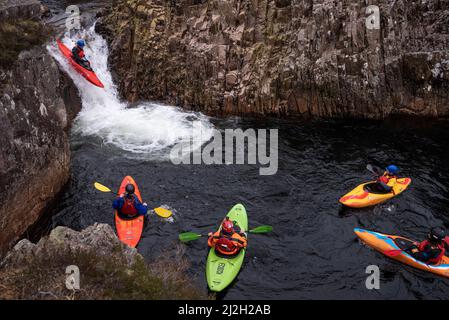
(101, 187)
(162, 212)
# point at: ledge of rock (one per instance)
(282, 57)
(108, 269)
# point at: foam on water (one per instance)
(146, 129)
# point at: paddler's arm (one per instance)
(117, 203)
(142, 208)
(212, 239)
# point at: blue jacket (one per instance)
(141, 209)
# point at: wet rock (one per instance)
(315, 57)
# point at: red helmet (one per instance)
(227, 226)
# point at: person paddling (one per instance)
(128, 204)
(432, 250)
(387, 181)
(79, 56)
(228, 241)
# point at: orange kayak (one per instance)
(88, 74)
(383, 242)
(129, 231)
(364, 196)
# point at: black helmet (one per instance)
(130, 188)
(437, 234)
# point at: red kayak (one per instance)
(88, 74)
(129, 230)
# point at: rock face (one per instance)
(279, 57)
(37, 103)
(13, 9)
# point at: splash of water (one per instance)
(146, 129)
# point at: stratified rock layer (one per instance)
(37, 104)
(282, 57)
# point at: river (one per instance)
(313, 252)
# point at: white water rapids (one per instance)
(147, 130)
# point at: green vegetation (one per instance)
(109, 276)
(19, 35)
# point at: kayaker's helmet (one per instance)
(129, 189)
(80, 43)
(227, 226)
(437, 234)
(392, 169)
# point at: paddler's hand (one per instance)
(145, 204)
(122, 195)
(210, 234)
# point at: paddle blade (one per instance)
(162, 212)
(392, 253)
(188, 236)
(374, 169)
(262, 229)
(101, 187)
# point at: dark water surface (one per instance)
(313, 252)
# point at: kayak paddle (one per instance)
(190, 236)
(374, 170)
(162, 212)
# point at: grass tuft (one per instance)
(101, 277)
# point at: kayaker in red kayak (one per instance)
(79, 56)
(227, 241)
(128, 204)
(432, 250)
(386, 182)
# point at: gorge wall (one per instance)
(37, 104)
(283, 57)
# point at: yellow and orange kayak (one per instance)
(364, 196)
(384, 243)
(129, 231)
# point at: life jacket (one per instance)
(422, 247)
(128, 207)
(227, 244)
(384, 179)
(77, 52)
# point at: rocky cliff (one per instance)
(37, 104)
(280, 57)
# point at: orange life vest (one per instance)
(227, 245)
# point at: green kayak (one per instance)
(220, 272)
